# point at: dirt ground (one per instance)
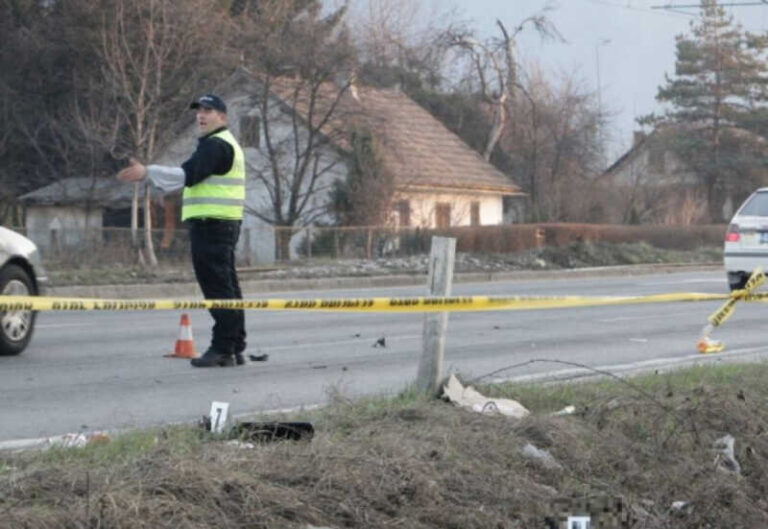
(637, 453)
(576, 255)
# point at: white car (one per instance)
(21, 274)
(746, 241)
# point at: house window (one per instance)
(250, 131)
(443, 215)
(474, 214)
(404, 213)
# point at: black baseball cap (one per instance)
(211, 101)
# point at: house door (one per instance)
(443, 215)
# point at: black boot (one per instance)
(213, 358)
(239, 358)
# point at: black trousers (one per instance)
(213, 242)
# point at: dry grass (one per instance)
(414, 463)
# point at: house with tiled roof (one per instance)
(439, 180)
(655, 184)
(63, 212)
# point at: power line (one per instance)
(669, 13)
(696, 6)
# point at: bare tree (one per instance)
(153, 52)
(554, 145)
(495, 65)
(402, 41)
(306, 66)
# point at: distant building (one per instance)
(652, 183)
(62, 213)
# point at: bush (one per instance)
(667, 237)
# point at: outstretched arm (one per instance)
(167, 179)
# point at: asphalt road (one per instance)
(102, 371)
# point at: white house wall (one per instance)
(68, 223)
(258, 163)
(423, 206)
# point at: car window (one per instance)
(757, 205)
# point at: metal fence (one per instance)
(257, 246)
(352, 242)
(265, 245)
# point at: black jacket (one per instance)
(212, 156)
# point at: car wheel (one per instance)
(16, 327)
(737, 280)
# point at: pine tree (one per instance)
(717, 121)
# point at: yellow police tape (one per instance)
(755, 280)
(398, 304)
(407, 304)
(706, 344)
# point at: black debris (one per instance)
(274, 431)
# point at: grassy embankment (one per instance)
(632, 447)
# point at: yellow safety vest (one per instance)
(218, 196)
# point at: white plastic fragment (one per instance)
(725, 458)
(74, 440)
(529, 451)
(70, 440)
(568, 410)
(239, 444)
(468, 397)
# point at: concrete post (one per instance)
(441, 261)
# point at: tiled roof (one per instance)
(421, 151)
(100, 191)
(415, 146)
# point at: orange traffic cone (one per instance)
(185, 345)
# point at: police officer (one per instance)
(213, 179)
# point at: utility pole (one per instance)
(600, 137)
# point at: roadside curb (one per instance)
(256, 286)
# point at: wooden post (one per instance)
(441, 261)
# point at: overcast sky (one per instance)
(634, 44)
